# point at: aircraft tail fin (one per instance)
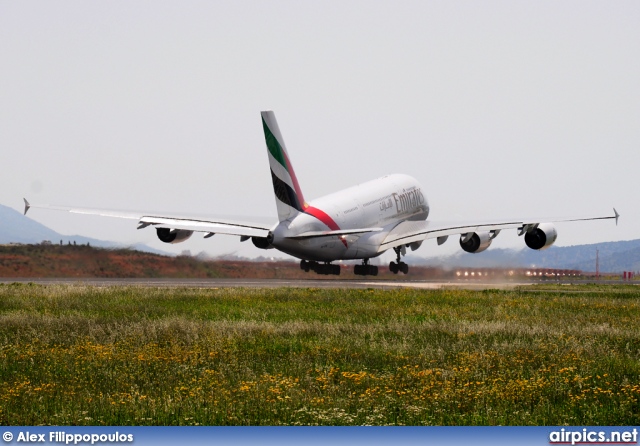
(289, 198)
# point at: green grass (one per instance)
(155, 356)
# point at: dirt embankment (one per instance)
(87, 261)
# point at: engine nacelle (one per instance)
(541, 237)
(262, 242)
(168, 235)
(478, 242)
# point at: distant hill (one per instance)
(614, 257)
(18, 228)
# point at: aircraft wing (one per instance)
(408, 232)
(208, 225)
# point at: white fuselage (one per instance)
(380, 203)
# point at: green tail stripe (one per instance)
(274, 146)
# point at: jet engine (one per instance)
(477, 242)
(168, 235)
(262, 242)
(541, 237)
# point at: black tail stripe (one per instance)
(285, 193)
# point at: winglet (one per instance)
(26, 206)
(616, 215)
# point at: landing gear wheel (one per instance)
(304, 265)
(365, 269)
(398, 265)
(324, 269)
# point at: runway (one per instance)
(270, 283)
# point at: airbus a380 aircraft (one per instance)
(360, 222)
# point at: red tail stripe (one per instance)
(324, 218)
(317, 213)
(296, 186)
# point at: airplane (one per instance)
(358, 223)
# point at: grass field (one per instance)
(74, 355)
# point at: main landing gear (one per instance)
(325, 269)
(398, 266)
(365, 269)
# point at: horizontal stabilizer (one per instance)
(339, 232)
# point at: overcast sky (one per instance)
(496, 108)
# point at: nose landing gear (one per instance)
(398, 265)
